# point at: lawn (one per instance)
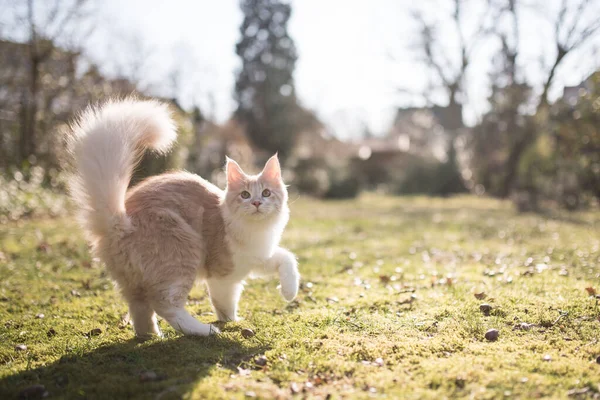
(389, 307)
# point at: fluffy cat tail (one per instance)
(107, 143)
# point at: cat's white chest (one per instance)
(251, 252)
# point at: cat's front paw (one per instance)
(289, 278)
(289, 289)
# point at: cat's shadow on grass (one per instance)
(160, 369)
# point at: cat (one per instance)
(157, 238)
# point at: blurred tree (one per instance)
(574, 24)
(44, 25)
(576, 147)
(505, 125)
(448, 69)
(264, 89)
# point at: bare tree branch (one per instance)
(433, 49)
(575, 38)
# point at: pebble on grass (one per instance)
(485, 309)
(492, 335)
(148, 376)
(261, 361)
(34, 392)
(523, 326)
(95, 332)
(20, 347)
(294, 388)
(247, 333)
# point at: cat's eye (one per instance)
(245, 194)
(266, 193)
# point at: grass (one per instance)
(387, 309)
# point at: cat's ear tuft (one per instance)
(235, 174)
(272, 170)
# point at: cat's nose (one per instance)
(256, 203)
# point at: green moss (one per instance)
(389, 278)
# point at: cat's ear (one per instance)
(235, 175)
(272, 170)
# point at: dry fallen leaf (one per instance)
(591, 291)
(480, 295)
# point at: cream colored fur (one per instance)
(159, 237)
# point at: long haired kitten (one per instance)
(157, 238)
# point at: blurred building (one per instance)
(571, 94)
(418, 136)
(65, 84)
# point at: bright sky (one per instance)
(353, 54)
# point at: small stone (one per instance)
(523, 326)
(95, 332)
(379, 362)
(247, 333)
(547, 358)
(250, 393)
(33, 392)
(295, 388)
(578, 392)
(492, 335)
(332, 299)
(20, 347)
(485, 309)
(62, 381)
(148, 376)
(261, 361)
(40, 316)
(75, 293)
